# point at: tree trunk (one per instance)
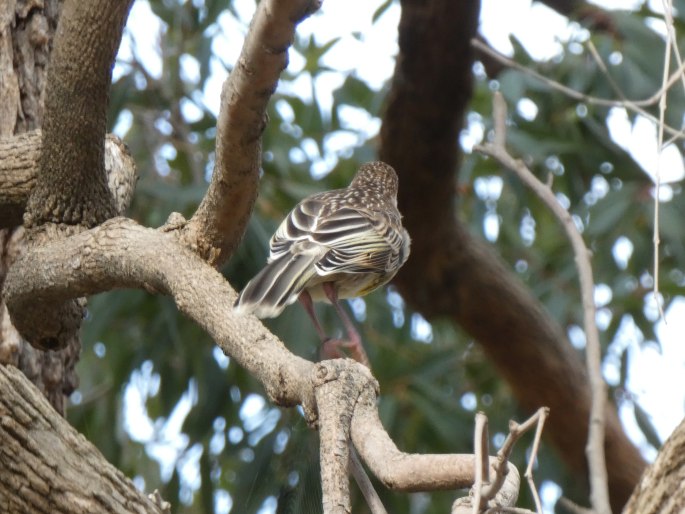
(26, 33)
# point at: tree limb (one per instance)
(219, 222)
(119, 253)
(71, 187)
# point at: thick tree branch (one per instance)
(53, 468)
(71, 186)
(451, 273)
(19, 167)
(120, 253)
(219, 223)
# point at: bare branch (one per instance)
(335, 388)
(633, 105)
(120, 253)
(595, 446)
(219, 223)
(482, 453)
(365, 485)
(541, 416)
(398, 470)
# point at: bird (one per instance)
(333, 245)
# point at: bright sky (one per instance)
(653, 370)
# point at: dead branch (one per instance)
(595, 448)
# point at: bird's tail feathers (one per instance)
(277, 285)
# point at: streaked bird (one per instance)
(333, 245)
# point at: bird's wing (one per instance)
(355, 240)
(297, 226)
(358, 242)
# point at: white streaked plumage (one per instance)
(351, 237)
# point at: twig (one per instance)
(572, 507)
(633, 105)
(370, 495)
(599, 495)
(660, 145)
(482, 460)
(541, 418)
(516, 431)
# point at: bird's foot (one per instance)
(332, 348)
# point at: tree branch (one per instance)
(594, 451)
(71, 187)
(219, 223)
(660, 490)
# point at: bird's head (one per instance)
(376, 176)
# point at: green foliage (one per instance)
(431, 383)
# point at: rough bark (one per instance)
(48, 467)
(71, 187)
(26, 31)
(453, 274)
(662, 487)
(19, 167)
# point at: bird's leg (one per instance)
(354, 343)
(306, 301)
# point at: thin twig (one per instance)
(481, 461)
(595, 448)
(516, 431)
(542, 417)
(632, 105)
(366, 487)
(660, 146)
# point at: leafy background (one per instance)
(166, 407)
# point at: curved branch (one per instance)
(119, 253)
(219, 223)
(599, 494)
(71, 186)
